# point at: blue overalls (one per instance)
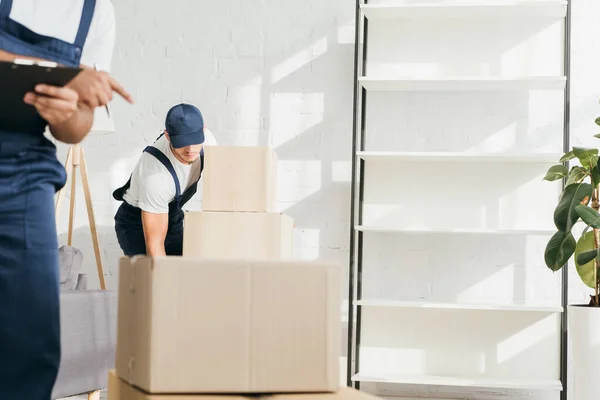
(128, 219)
(30, 175)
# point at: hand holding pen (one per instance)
(95, 88)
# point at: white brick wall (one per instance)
(277, 72)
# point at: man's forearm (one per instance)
(155, 249)
(75, 128)
(155, 231)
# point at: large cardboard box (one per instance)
(239, 178)
(267, 236)
(219, 326)
(120, 390)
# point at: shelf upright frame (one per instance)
(357, 197)
(564, 298)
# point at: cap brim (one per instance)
(190, 139)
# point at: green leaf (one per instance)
(595, 176)
(585, 244)
(597, 121)
(567, 157)
(587, 157)
(585, 257)
(588, 215)
(556, 172)
(559, 249)
(576, 175)
(597, 135)
(564, 214)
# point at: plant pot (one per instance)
(584, 333)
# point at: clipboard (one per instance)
(19, 77)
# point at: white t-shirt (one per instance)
(60, 19)
(152, 187)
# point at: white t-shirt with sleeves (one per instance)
(152, 186)
(41, 17)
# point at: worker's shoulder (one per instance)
(149, 162)
(151, 174)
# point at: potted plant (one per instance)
(580, 202)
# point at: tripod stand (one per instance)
(76, 160)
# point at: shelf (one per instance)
(507, 383)
(458, 157)
(457, 306)
(463, 84)
(366, 228)
(481, 9)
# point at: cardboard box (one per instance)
(262, 236)
(220, 326)
(239, 178)
(120, 390)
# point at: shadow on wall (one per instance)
(109, 251)
(278, 73)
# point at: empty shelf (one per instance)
(464, 84)
(458, 306)
(494, 383)
(367, 228)
(481, 9)
(459, 157)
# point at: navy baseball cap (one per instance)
(185, 125)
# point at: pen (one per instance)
(106, 105)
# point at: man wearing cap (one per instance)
(150, 218)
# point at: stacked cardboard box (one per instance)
(238, 218)
(235, 317)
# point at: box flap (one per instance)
(298, 301)
(134, 315)
(225, 310)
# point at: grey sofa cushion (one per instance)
(88, 326)
(70, 262)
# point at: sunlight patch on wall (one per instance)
(293, 114)
(297, 180)
(299, 60)
(246, 103)
(497, 287)
(341, 171)
(526, 339)
(345, 33)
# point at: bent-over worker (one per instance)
(150, 218)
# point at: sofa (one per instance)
(88, 330)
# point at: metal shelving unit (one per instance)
(365, 83)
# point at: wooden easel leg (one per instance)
(75, 161)
(94, 395)
(61, 193)
(92, 219)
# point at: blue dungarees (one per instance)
(128, 219)
(30, 174)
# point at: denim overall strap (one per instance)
(18, 39)
(160, 156)
(5, 8)
(89, 6)
(191, 191)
